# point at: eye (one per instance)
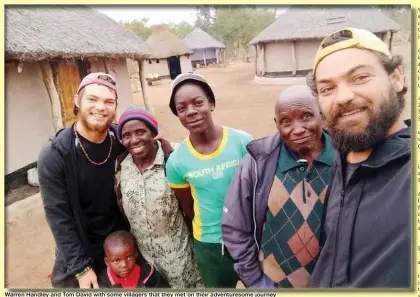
(199, 102)
(284, 121)
(91, 100)
(130, 257)
(361, 78)
(326, 90)
(116, 261)
(307, 116)
(180, 109)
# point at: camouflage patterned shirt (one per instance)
(157, 222)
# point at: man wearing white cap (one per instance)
(360, 87)
(76, 171)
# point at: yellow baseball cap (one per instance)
(358, 38)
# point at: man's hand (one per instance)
(88, 280)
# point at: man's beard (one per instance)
(99, 128)
(377, 127)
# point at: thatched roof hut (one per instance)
(46, 32)
(206, 48)
(165, 44)
(198, 39)
(173, 52)
(300, 30)
(317, 22)
(48, 50)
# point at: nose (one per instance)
(298, 129)
(100, 105)
(191, 110)
(123, 264)
(134, 139)
(344, 94)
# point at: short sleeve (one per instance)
(175, 179)
(245, 139)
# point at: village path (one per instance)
(240, 103)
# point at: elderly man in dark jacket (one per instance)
(360, 88)
(274, 204)
(76, 181)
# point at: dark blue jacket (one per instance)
(368, 225)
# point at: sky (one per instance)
(156, 15)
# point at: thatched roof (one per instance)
(164, 44)
(317, 22)
(198, 39)
(46, 32)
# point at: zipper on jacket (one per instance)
(253, 205)
(342, 193)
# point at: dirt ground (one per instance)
(240, 103)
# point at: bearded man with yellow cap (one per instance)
(366, 228)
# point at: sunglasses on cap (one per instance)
(350, 38)
(336, 35)
(107, 78)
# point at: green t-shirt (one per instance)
(208, 176)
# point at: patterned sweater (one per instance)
(290, 238)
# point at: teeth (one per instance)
(351, 112)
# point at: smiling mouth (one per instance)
(352, 112)
(301, 140)
(195, 122)
(99, 116)
(137, 149)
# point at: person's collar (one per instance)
(130, 281)
(159, 160)
(289, 159)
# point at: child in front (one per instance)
(124, 268)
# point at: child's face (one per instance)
(121, 259)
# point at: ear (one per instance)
(211, 106)
(275, 120)
(77, 101)
(106, 261)
(398, 79)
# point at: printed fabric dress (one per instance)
(157, 222)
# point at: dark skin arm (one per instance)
(186, 200)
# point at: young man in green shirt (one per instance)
(200, 171)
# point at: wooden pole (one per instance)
(56, 104)
(294, 58)
(262, 59)
(256, 60)
(204, 57)
(106, 66)
(390, 40)
(144, 87)
(217, 55)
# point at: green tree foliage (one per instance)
(181, 29)
(139, 27)
(402, 15)
(204, 18)
(237, 26)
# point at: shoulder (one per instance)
(239, 134)
(180, 151)
(56, 148)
